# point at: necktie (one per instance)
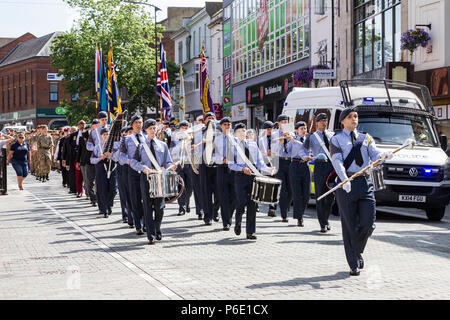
(269, 141)
(138, 138)
(325, 139)
(137, 155)
(152, 149)
(284, 142)
(224, 147)
(302, 139)
(358, 156)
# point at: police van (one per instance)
(391, 112)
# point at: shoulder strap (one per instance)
(351, 156)
(134, 140)
(322, 144)
(151, 157)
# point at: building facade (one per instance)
(216, 63)
(270, 39)
(30, 89)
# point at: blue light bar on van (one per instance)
(368, 99)
(341, 102)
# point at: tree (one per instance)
(131, 30)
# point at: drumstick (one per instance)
(409, 143)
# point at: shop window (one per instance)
(53, 92)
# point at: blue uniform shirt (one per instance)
(116, 151)
(297, 149)
(255, 157)
(223, 148)
(94, 138)
(311, 143)
(128, 148)
(97, 152)
(341, 144)
(277, 148)
(162, 156)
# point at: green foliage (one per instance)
(132, 31)
(82, 109)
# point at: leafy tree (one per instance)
(132, 33)
(82, 109)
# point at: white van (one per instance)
(391, 112)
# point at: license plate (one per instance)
(411, 198)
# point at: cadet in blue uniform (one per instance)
(223, 147)
(106, 188)
(299, 174)
(319, 144)
(265, 145)
(243, 180)
(351, 151)
(279, 147)
(185, 171)
(94, 136)
(127, 151)
(122, 180)
(153, 207)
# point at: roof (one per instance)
(212, 7)
(39, 47)
(4, 41)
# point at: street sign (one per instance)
(54, 77)
(60, 110)
(324, 74)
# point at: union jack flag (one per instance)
(162, 85)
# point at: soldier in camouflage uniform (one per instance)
(45, 143)
(33, 145)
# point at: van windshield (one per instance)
(396, 128)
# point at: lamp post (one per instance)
(156, 51)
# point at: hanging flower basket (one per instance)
(305, 75)
(412, 39)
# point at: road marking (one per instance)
(147, 277)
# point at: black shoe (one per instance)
(237, 230)
(300, 223)
(46, 178)
(79, 195)
(151, 242)
(216, 218)
(271, 213)
(361, 262)
(181, 213)
(251, 236)
(188, 209)
(105, 215)
(354, 272)
(131, 226)
(285, 220)
(158, 236)
(139, 232)
(226, 228)
(94, 204)
(124, 221)
(64, 185)
(208, 223)
(145, 230)
(200, 217)
(328, 227)
(323, 230)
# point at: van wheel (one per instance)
(435, 214)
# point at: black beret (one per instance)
(104, 130)
(149, 122)
(183, 124)
(321, 116)
(125, 129)
(240, 125)
(223, 120)
(95, 121)
(172, 124)
(208, 114)
(346, 112)
(282, 117)
(166, 122)
(300, 124)
(268, 125)
(134, 118)
(102, 115)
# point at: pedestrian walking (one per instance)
(19, 157)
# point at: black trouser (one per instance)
(243, 185)
(226, 194)
(357, 210)
(125, 203)
(71, 177)
(300, 180)
(64, 174)
(198, 192)
(285, 192)
(134, 185)
(321, 172)
(153, 209)
(208, 176)
(106, 188)
(186, 174)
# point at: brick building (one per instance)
(30, 91)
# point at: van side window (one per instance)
(308, 116)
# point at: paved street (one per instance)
(55, 246)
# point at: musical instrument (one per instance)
(409, 144)
(113, 136)
(266, 190)
(164, 184)
(376, 175)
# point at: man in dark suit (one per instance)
(59, 157)
(72, 146)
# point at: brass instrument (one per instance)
(113, 136)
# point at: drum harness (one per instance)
(243, 157)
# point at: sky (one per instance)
(41, 17)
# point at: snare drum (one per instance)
(266, 190)
(376, 175)
(163, 184)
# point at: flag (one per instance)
(205, 95)
(182, 101)
(113, 88)
(103, 104)
(162, 86)
(97, 71)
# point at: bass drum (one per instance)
(266, 190)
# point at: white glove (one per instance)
(347, 187)
(387, 154)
